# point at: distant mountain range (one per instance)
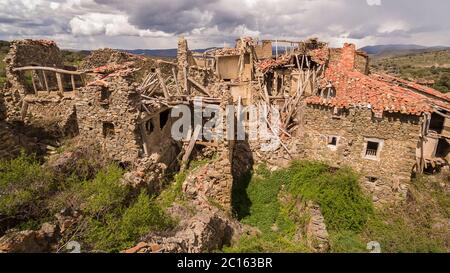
(397, 50)
(170, 52)
(374, 51)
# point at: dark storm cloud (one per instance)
(218, 21)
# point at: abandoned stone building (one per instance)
(332, 109)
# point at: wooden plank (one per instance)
(33, 82)
(176, 80)
(190, 147)
(186, 82)
(199, 86)
(24, 110)
(144, 143)
(60, 84)
(72, 80)
(58, 70)
(167, 62)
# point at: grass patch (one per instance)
(351, 220)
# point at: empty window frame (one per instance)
(436, 123)
(442, 148)
(163, 118)
(108, 129)
(372, 148)
(149, 127)
(332, 142)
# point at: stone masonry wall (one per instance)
(390, 174)
(26, 53)
(96, 116)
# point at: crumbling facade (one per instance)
(331, 109)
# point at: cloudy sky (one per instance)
(131, 24)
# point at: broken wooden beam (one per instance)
(33, 82)
(161, 80)
(200, 87)
(45, 81)
(57, 70)
(72, 80)
(60, 84)
(24, 109)
(190, 147)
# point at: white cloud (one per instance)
(54, 5)
(392, 26)
(374, 2)
(109, 25)
(157, 23)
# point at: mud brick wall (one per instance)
(96, 115)
(397, 156)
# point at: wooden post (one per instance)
(33, 82)
(60, 84)
(45, 81)
(144, 143)
(24, 110)
(175, 78)
(185, 74)
(190, 147)
(199, 87)
(72, 79)
(161, 81)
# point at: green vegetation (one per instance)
(73, 58)
(4, 48)
(173, 193)
(430, 66)
(114, 216)
(23, 185)
(268, 201)
(121, 228)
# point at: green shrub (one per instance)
(105, 192)
(272, 198)
(341, 200)
(347, 242)
(123, 228)
(23, 185)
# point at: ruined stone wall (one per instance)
(112, 120)
(362, 62)
(54, 112)
(2, 107)
(264, 50)
(385, 178)
(213, 182)
(26, 53)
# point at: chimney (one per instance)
(348, 56)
